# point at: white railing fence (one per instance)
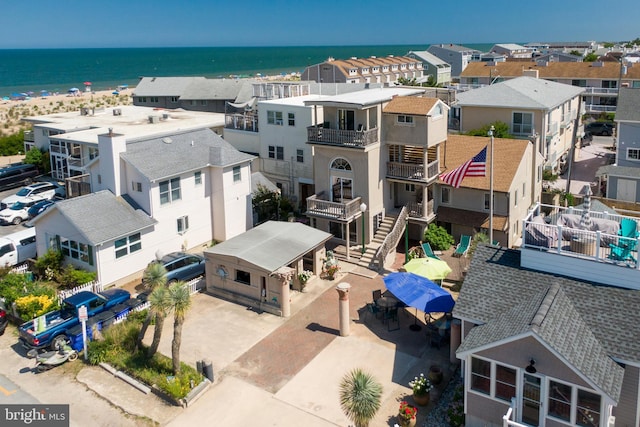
(93, 286)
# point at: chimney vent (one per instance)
(117, 112)
(110, 131)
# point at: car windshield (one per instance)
(23, 192)
(18, 206)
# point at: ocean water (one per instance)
(57, 70)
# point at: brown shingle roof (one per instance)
(346, 64)
(508, 155)
(472, 218)
(553, 70)
(417, 106)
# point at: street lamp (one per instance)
(363, 209)
(406, 239)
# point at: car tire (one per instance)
(17, 220)
(58, 342)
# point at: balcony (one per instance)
(600, 91)
(29, 136)
(342, 138)
(420, 212)
(413, 172)
(319, 206)
(569, 250)
(246, 122)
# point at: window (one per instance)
(481, 375)
(410, 188)
(203, 102)
(127, 245)
(170, 191)
(407, 120)
(486, 201)
(136, 186)
(153, 99)
(633, 154)
(76, 250)
(567, 402)
(300, 155)
(142, 99)
(183, 224)
(580, 83)
(437, 111)
(243, 277)
(524, 189)
(292, 119)
(560, 396)
(515, 198)
(274, 117)
(197, 176)
(341, 164)
(505, 383)
(445, 195)
(523, 123)
(237, 175)
(174, 99)
(276, 152)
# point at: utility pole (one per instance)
(573, 145)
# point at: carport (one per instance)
(259, 267)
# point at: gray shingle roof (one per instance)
(496, 283)
(272, 244)
(221, 89)
(628, 102)
(520, 92)
(164, 86)
(162, 157)
(102, 217)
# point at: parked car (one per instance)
(4, 320)
(182, 266)
(33, 192)
(586, 139)
(600, 128)
(16, 213)
(17, 174)
(39, 207)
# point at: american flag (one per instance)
(477, 166)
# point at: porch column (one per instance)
(425, 201)
(343, 309)
(284, 274)
(348, 238)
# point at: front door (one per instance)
(531, 404)
(341, 189)
(346, 120)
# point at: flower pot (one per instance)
(435, 374)
(407, 423)
(421, 399)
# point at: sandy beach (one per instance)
(11, 112)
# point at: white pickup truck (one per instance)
(18, 247)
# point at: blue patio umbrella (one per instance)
(420, 293)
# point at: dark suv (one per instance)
(600, 128)
(182, 266)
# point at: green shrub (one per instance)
(500, 130)
(547, 175)
(48, 265)
(477, 238)
(70, 277)
(438, 237)
(31, 306)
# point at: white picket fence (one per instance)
(20, 269)
(93, 286)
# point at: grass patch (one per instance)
(117, 348)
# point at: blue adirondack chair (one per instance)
(629, 229)
(463, 246)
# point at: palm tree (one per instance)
(154, 276)
(360, 396)
(161, 305)
(181, 302)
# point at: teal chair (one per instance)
(628, 229)
(463, 246)
(428, 252)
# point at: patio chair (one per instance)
(377, 294)
(463, 246)
(621, 253)
(629, 229)
(373, 309)
(428, 252)
(391, 315)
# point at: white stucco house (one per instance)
(150, 196)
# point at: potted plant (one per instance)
(407, 414)
(330, 266)
(304, 277)
(421, 387)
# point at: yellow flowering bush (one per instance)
(31, 306)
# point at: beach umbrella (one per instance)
(420, 293)
(87, 83)
(431, 268)
(115, 92)
(30, 93)
(74, 89)
(585, 219)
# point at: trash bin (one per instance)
(207, 369)
(199, 367)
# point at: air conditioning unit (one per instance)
(117, 112)
(154, 119)
(84, 111)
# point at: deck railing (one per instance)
(391, 240)
(346, 138)
(414, 172)
(416, 210)
(316, 205)
(247, 122)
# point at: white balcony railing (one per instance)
(316, 206)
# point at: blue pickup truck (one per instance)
(52, 328)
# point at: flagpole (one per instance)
(491, 188)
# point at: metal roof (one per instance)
(272, 244)
(365, 98)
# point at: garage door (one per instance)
(626, 190)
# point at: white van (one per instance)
(18, 247)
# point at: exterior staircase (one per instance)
(367, 259)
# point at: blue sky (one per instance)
(163, 23)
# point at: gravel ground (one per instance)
(438, 415)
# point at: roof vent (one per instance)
(154, 119)
(167, 140)
(117, 112)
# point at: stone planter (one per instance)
(435, 374)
